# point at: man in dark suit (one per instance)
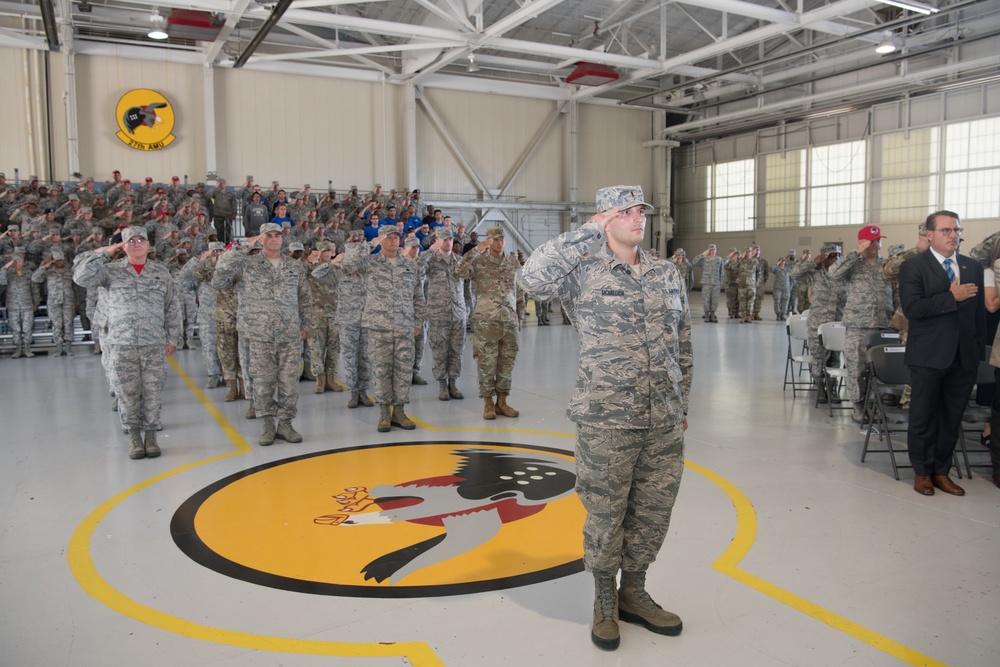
(942, 297)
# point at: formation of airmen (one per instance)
(362, 277)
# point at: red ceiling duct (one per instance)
(190, 24)
(591, 74)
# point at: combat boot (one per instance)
(213, 382)
(97, 347)
(400, 419)
(114, 403)
(417, 379)
(365, 400)
(152, 449)
(489, 410)
(443, 393)
(384, 420)
(821, 395)
(233, 391)
(604, 631)
(69, 350)
(135, 447)
(241, 388)
(268, 433)
(320, 384)
(27, 351)
(504, 409)
(353, 403)
(333, 385)
(453, 390)
(18, 351)
(635, 606)
(286, 432)
(251, 412)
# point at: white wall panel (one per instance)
(492, 132)
(101, 81)
(611, 152)
(14, 128)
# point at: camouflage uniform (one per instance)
(20, 304)
(446, 324)
(495, 319)
(763, 271)
(352, 335)
(324, 339)
(828, 306)
(420, 339)
(746, 281)
(802, 300)
(223, 209)
(275, 306)
(224, 317)
(207, 330)
(868, 309)
(712, 275)
(60, 302)
(631, 393)
(143, 316)
(732, 277)
(394, 305)
(781, 290)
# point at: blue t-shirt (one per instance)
(280, 221)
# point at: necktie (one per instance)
(947, 269)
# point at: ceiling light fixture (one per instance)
(156, 30)
(912, 5)
(472, 66)
(887, 45)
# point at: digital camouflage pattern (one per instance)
(445, 314)
(324, 338)
(829, 297)
(60, 300)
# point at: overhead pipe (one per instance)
(258, 39)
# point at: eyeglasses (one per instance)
(948, 231)
(138, 241)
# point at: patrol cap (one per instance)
(306, 186)
(292, 247)
(734, 250)
(922, 228)
(269, 227)
(870, 233)
(680, 251)
(621, 197)
(411, 241)
(830, 248)
(96, 230)
(791, 251)
(323, 246)
(181, 251)
(13, 228)
(73, 197)
(57, 255)
(385, 230)
(216, 246)
(896, 249)
(86, 209)
(711, 246)
(286, 225)
(494, 233)
(19, 253)
(133, 230)
(3, 175)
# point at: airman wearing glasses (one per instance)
(144, 326)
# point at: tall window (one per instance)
(905, 175)
(734, 186)
(972, 168)
(693, 199)
(785, 189)
(837, 184)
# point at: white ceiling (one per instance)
(704, 61)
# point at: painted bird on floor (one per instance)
(487, 489)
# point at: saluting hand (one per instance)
(863, 244)
(110, 250)
(604, 218)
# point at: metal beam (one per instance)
(19, 40)
(360, 50)
(258, 39)
(435, 119)
(455, 19)
(220, 40)
(49, 23)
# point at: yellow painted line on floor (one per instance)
(82, 566)
(495, 429)
(746, 534)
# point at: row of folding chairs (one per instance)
(888, 372)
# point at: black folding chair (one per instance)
(974, 418)
(886, 367)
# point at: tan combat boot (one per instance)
(489, 410)
(135, 446)
(27, 350)
(286, 432)
(241, 393)
(18, 351)
(320, 384)
(443, 393)
(453, 390)
(604, 631)
(384, 420)
(364, 399)
(400, 419)
(251, 412)
(636, 606)
(353, 403)
(152, 449)
(233, 391)
(268, 433)
(503, 408)
(333, 385)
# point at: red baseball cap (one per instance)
(870, 233)
(175, 178)
(149, 179)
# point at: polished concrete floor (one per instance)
(784, 548)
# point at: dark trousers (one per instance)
(224, 228)
(937, 401)
(995, 427)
